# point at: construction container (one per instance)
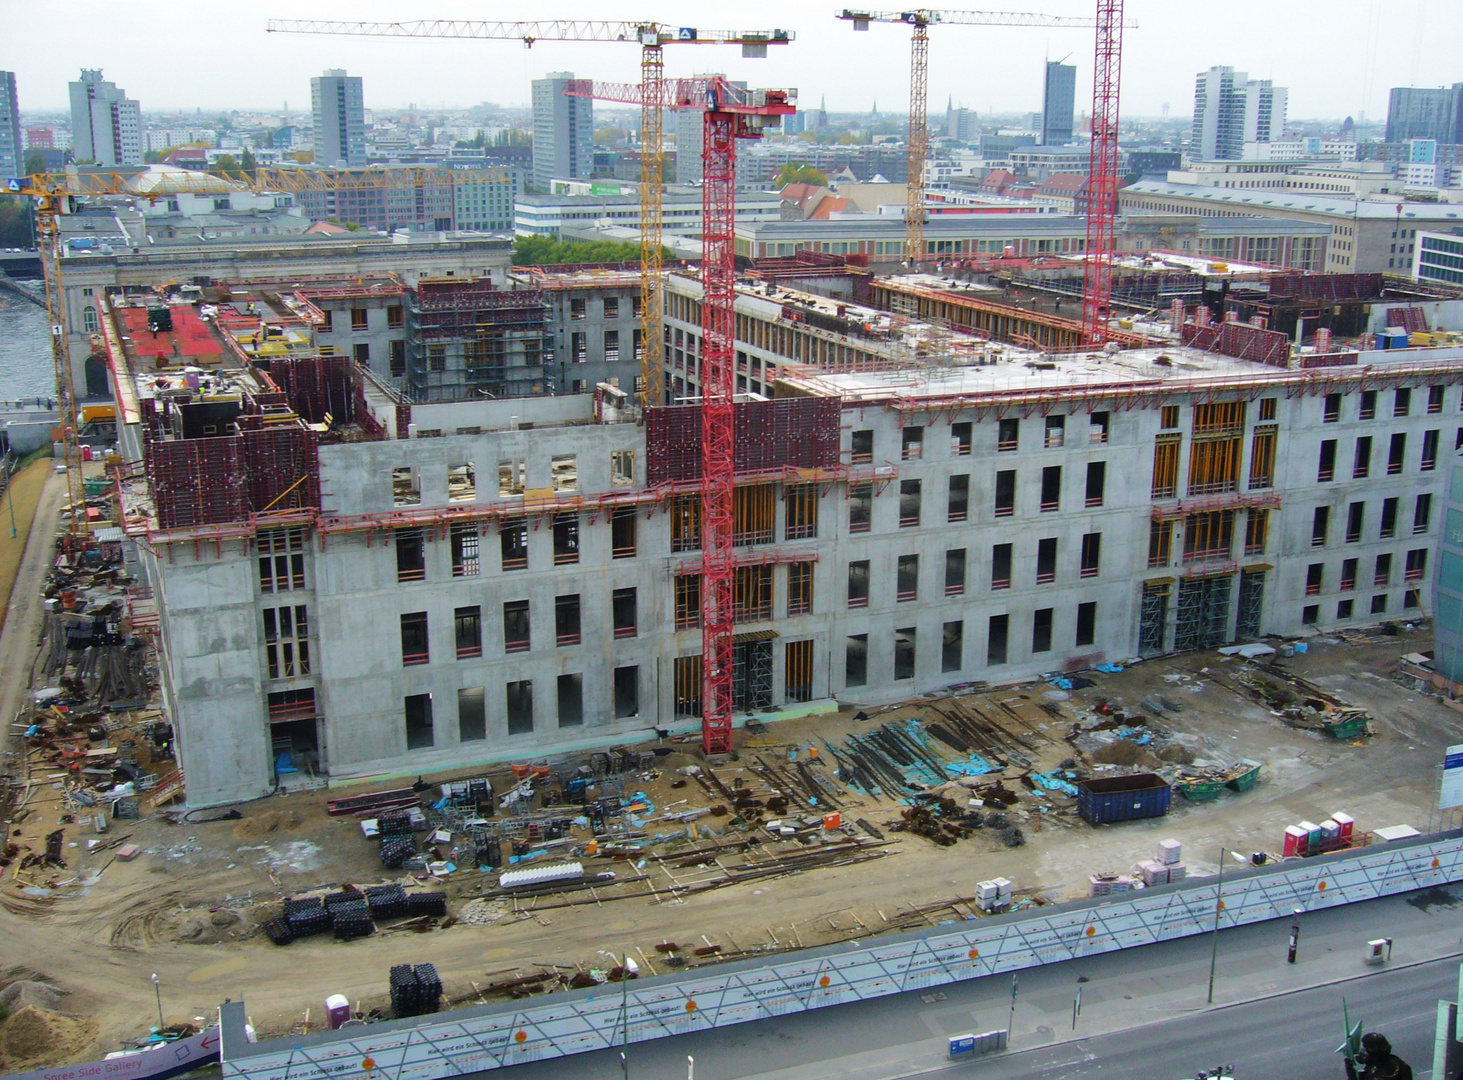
(1346, 821)
(1297, 840)
(1169, 852)
(832, 821)
(1123, 798)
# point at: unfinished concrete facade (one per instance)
(450, 583)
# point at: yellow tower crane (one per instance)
(920, 20)
(651, 37)
(57, 194)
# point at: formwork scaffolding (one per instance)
(1251, 602)
(466, 339)
(1202, 615)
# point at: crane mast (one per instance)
(729, 113)
(1102, 173)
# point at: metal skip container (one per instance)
(1123, 798)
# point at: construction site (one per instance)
(387, 655)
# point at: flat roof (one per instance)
(1016, 370)
(1260, 199)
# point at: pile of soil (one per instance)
(1176, 754)
(266, 824)
(23, 992)
(1120, 752)
(33, 1036)
(203, 927)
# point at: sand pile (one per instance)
(266, 824)
(33, 1036)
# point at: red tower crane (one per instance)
(1102, 172)
(729, 113)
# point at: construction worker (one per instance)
(1377, 1061)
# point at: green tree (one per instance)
(547, 251)
(799, 173)
(15, 226)
(34, 163)
(247, 162)
(228, 165)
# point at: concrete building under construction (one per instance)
(376, 584)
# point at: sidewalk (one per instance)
(1145, 986)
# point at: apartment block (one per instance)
(106, 125)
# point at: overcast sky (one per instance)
(1337, 57)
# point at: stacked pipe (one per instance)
(306, 917)
(415, 991)
(386, 901)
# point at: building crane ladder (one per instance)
(729, 113)
(652, 37)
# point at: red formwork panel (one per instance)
(281, 466)
(316, 386)
(1240, 340)
(1328, 288)
(1411, 318)
(196, 481)
(788, 433)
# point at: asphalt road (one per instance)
(1144, 1014)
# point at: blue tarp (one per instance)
(975, 765)
(1053, 781)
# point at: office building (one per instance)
(563, 132)
(1058, 95)
(12, 155)
(1231, 109)
(339, 109)
(1425, 112)
(960, 123)
(690, 138)
(106, 125)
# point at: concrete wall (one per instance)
(213, 611)
(592, 322)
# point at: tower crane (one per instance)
(1102, 173)
(56, 194)
(651, 36)
(920, 20)
(729, 113)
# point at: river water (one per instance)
(26, 369)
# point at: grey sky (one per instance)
(1336, 56)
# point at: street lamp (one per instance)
(1294, 934)
(10, 491)
(157, 986)
(1218, 907)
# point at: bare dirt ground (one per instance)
(190, 906)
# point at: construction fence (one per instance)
(497, 1036)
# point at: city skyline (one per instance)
(1006, 79)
